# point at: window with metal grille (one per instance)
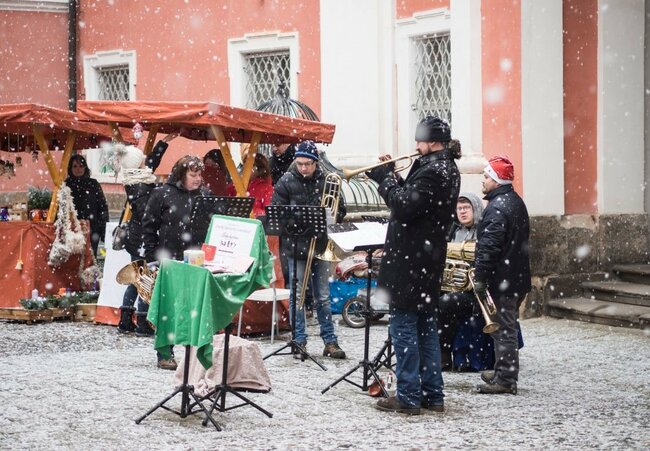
(432, 77)
(264, 71)
(113, 82)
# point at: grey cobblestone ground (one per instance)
(79, 386)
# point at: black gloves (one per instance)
(379, 173)
(480, 288)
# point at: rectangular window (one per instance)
(264, 72)
(113, 82)
(432, 77)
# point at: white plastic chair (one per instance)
(271, 294)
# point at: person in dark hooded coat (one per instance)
(421, 213)
(88, 198)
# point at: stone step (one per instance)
(633, 273)
(618, 291)
(600, 312)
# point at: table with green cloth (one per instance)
(190, 304)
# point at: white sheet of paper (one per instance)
(231, 237)
(367, 234)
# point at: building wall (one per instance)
(33, 58)
(580, 105)
(502, 82)
(406, 8)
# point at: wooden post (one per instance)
(117, 135)
(247, 172)
(230, 164)
(151, 139)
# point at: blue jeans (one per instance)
(321, 292)
(417, 351)
(131, 294)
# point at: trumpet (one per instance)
(349, 173)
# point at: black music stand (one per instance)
(369, 368)
(295, 221)
(223, 388)
(187, 391)
(206, 206)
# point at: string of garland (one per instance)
(69, 238)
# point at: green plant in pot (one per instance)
(38, 202)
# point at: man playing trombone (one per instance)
(422, 208)
(503, 266)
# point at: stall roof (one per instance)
(193, 120)
(19, 119)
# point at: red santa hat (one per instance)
(500, 169)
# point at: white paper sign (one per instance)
(231, 237)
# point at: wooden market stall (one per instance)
(208, 121)
(24, 260)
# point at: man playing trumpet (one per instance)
(503, 266)
(422, 208)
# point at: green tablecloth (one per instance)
(190, 304)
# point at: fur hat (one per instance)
(432, 129)
(307, 149)
(500, 169)
(119, 156)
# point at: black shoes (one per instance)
(488, 376)
(497, 389)
(392, 404)
(440, 408)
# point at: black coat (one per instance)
(422, 208)
(294, 189)
(280, 163)
(138, 196)
(90, 203)
(166, 222)
(502, 259)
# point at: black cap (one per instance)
(432, 129)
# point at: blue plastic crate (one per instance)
(342, 290)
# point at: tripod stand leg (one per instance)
(343, 378)
(159, 405)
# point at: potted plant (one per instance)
(86, 302)
(38, 202)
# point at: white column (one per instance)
(542, 116)
(466, 100)
(621, 106)
(356, 81)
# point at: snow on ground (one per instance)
(79, 386)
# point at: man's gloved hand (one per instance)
(379, 173)
(480, 288)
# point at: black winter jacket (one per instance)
(138, 196)
(294, 189)
(422, 209)
(166, 222)
(280, 163)
(502, 254)
(90, 203)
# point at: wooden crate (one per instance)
(28, 316)
(63, 313)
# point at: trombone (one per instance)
(349, 173)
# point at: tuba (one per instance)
(330, 200)
(458, 276)
(138, 274)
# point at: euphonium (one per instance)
(464, 251)
(138, 274)
(330, 200)
(455, 276)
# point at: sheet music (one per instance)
(366, 234)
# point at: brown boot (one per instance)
(392, 404)
(333, 351)
(167, 364)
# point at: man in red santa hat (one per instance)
(502, 268)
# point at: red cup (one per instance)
(209, 251)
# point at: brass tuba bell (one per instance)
(138, 274)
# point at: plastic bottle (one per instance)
(35, 293)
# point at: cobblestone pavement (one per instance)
(80, 386)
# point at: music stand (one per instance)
(206, 206)
(369, 368)
(294, 222)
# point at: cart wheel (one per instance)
(353, 312)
